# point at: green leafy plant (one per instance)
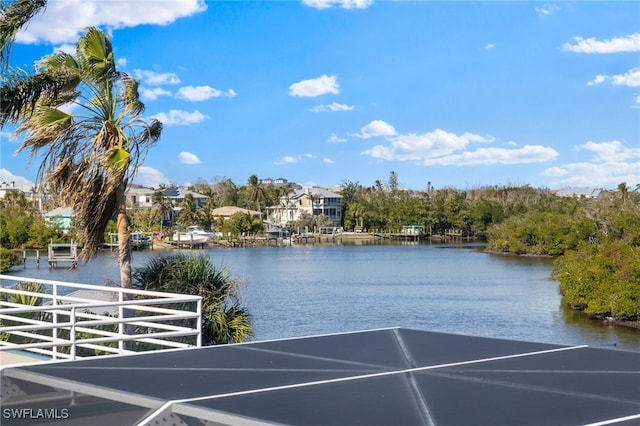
(224, 318)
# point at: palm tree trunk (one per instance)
(124, 234)
(124, 259)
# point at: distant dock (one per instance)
(66, 253)
(56, 253)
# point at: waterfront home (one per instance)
(63, 216)
(178, 194)
(225, 212)
(139, 197)
(314, 200)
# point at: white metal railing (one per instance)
(76, 320)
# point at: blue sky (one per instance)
(459, 94)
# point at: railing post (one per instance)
(54, 331)
(199, 323)
(72, 333)
(120, 317)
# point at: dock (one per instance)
(63, 252)
(139, 240)
(56, 253)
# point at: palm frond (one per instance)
(13, 16)
(21, 92)
(96, 50)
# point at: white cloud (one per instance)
(332, 107)
(490, 46)
(287, 159)
(430, 145)
(375, 128)
(68, 48)
(587, 174)
(609, 151)
(612, 163)
(630, 43)
(327, 160)
(150, 177)
(345, 4)
(547, 9)
(631, 78)
(333, 138)
(153, 93)
(491, 156)
(444, 148)
(202, 93)
(315, 87)
(80, 14)
(152, 78)
(8, 177)
(6, 135)
(636, 103)
(177, 117)
(188, 158)
(121, 62)
(291, 159)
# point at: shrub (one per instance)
(224, 318)
(8, 259)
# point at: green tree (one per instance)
(188, 211)
(8, 259)
(224, 318)
(161, 208)
(256, 192)
(90, 156)
(602, 279)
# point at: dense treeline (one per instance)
(597, 242)
(22, 225)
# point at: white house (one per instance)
(140, 197)
(315, 201)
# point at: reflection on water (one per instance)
(611, 335)
(457, 288)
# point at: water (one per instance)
(303, 290)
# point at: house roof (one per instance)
(579, 192)
(316, 191)
(227, 211)
(60, 211)
(378, 377)
(141, 191)
(180, 192)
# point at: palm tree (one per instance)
(623, 190)
(224, 318)
(188, 211)
(90, 156)
(206, 212)
(256, 193)
(163, 207)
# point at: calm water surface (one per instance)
(302, 290)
